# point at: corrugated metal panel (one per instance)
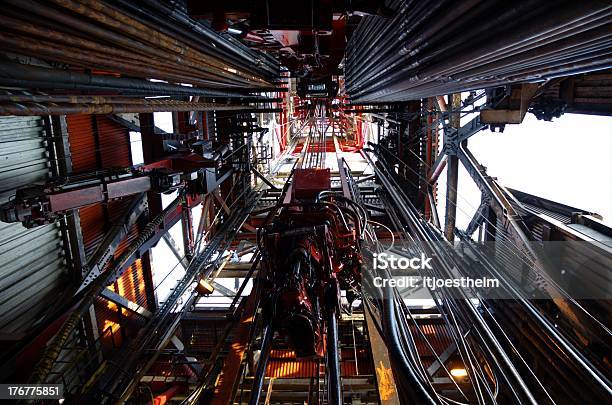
(438, 337)
(283, 364)
(109, 323)
(31, 262)
(96, 142)
(348, 367)
(82, 142)
(115, 323)
(23, 156)
(132, 285)
(114, 143)
(556, 215)
(93, 226)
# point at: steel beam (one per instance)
(125, 303)
(452, 171)
(174, 249)
(387, 390)
(479, 216)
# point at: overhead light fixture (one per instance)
(235, 31)
(458, 372)
(204, 287)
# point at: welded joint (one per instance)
(454, 137)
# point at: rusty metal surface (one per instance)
(387, 390)
(284, 364)
(82, 142)
(585, 94)
(224, 388)
(151, 106)
(75, 198)
(170, 58)
(128, 187)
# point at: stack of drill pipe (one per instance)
(440, 47)
(148, 41)
(147, 106)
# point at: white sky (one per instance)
(568, 161)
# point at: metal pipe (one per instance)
(54, 38)
(170, 58)
(528, 41)
(334, 384)
(417, 391)
(88, 58)
(73, 79)
(260, 374)
(105, 14)
(23, 109)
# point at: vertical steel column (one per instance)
(430, 154)
(59, 128)
(334, 384)
(72, 223)
(452, 176)
(147, 275)
(187, 227)
(260, 374)
(152, 150)
(59, 149)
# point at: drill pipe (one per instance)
(17, 74)
(474, 44)
(157, 106)
(167, 57)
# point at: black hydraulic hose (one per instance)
(562, 345)
(334, 385)
(471, 314)
(260, 374)
(419, 393)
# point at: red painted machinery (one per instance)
(311, 252)
(197, 171)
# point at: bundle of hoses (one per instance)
(440, 47)
(489, 336)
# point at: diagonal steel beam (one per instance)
(105, 252)
(479, 216)
(125, 303)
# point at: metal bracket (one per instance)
(454, 137)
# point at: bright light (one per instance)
(458, 372)
(234, 31)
